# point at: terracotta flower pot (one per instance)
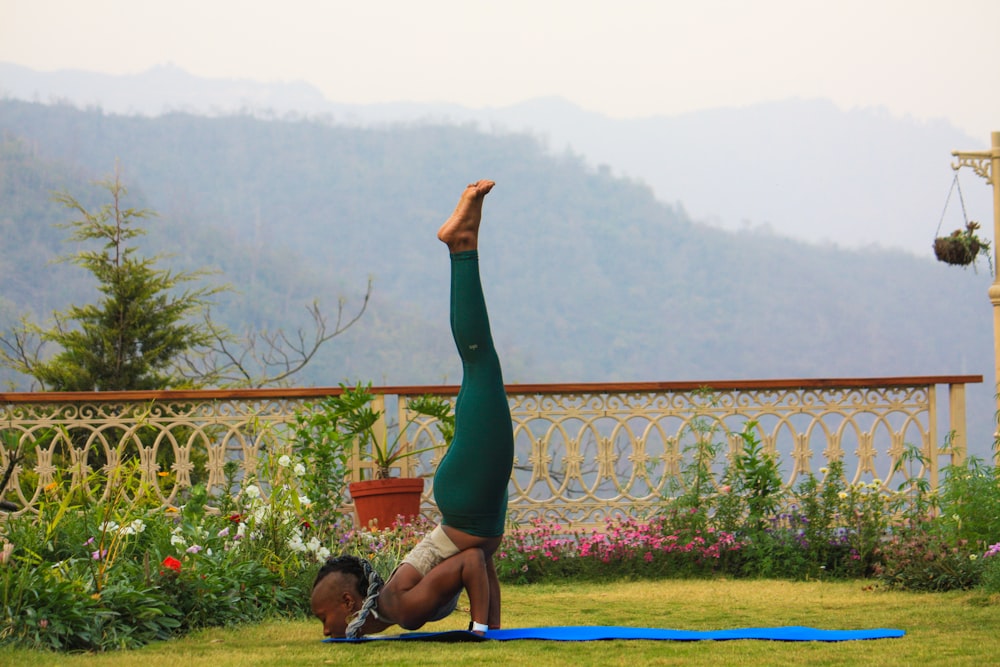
(378, 502)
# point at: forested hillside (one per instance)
(588, 276)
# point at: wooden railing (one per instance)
(583, 452)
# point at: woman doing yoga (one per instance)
(470, 485)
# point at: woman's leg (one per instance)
(470, 485)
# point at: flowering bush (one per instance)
(991, 569)
(626, 547)
(120, 572)
(943, 543)
(743, 522)
(385, 548)
(926, 561)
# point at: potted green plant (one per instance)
(380, 500)
(962, 247)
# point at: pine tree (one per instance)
(144, 323)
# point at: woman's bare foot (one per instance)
(461, 231)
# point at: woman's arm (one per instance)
(491, 575)
(412, 605)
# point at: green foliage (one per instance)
(337, 421)
(325, 453)
(689, 509)
(991, 570)
(135, 337)
(116, 573)
(827, 528)
(949, 541)
(970, 502)
(924, 560)
(756, 480)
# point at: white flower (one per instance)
(285, 461)
(209, 551)
(137, 526)
(295, 543)
(252, 491)
(313, 544)
(109, 527)
(176, 540)
(299, 469)
(322, 553)
(304, 500)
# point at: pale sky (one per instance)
(924, 59)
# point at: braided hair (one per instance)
(369, 585)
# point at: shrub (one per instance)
(991, 569)
(970, 502)
(117, 573)
(626, 548)
(924, 560)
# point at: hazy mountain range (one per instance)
(595, 269)
(802, 168)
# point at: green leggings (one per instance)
(470, 485)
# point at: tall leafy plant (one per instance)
(353, 414)
(325, 452)
(756, 479)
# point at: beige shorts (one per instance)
(432, 550)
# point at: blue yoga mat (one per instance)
(600, 633)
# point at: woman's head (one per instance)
(345, 591)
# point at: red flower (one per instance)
(172, 563)
(235, 518)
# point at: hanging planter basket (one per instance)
(961, 247)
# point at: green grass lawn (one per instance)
(941, 628)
